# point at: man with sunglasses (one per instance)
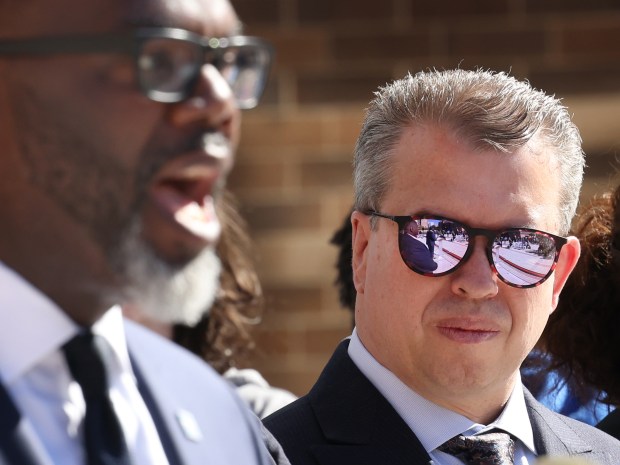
(119, 120)
(431, 371)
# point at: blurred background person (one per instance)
(582, 336)
(119, 122)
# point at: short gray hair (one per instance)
(493, 110)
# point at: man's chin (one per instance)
(169, 293)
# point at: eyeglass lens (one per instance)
(433, 247)
(170, 67)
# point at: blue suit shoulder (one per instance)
(207, 422)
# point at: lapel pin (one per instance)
(189, 425)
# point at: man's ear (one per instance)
(569, 255)
(361, 234)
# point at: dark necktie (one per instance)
(103, 436)
(493, 448)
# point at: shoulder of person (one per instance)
(143, 343)
(611, 424)
(190, 394)
(595, 444)
(262, 398)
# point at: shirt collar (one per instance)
(34, 326)
(432, 424)
(111, 328)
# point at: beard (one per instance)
(172, 294)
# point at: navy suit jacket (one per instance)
(199, 418)
(611, 424)
(345, 420)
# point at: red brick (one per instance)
(296, 299)
(570, 6)
(317, 173)
(256, 176)
(592, 40)
(323, 341)
(334, 89)
(283, 216)
(265, 131)
(313, 11)
(253, 12)
(595, 79)
(384, 46)
(497, 42)
(442, 9)
(300, 47)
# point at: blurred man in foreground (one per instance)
(118, 125)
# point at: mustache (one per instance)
(469, 307)
(166, 147)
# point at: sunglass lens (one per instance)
(524, 257)
(432, 247)
(167, 67)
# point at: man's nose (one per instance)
(475, 278)
(212, 102)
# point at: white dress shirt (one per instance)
(434, 425)
(34, 371)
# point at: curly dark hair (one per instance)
(222, 337)
(582, 334)
(343, 240)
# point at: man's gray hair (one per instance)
(493, 110)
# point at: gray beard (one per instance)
(167, 293)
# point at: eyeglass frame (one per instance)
(490, 234)
(130, 41)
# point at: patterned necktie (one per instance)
(103, 437)
(493, 448)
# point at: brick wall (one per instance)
(293, 174)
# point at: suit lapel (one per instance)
(165, 436)
(552, 436)
(19, 444)
(363, 427)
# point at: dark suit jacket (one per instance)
(611, 424)
(199, 418)
(345, 420)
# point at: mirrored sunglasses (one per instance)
(435, 246)
(169, 61)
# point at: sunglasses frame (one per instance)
(131, 42)
(490, 234)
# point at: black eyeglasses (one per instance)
(436, 246)
(169, 61)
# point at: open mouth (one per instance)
(184, 193)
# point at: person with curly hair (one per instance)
(582, 334)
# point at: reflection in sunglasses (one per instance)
(434, 246)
